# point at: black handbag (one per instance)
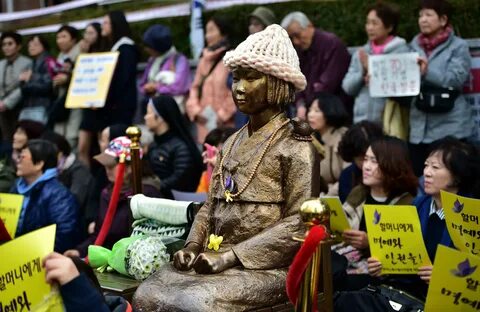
(399, 300)
(437, 100)
(376, 299)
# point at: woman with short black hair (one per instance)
(46, 200)
(352, 149)
(328, 118)
(387, 179)
(381, 26)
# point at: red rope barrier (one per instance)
(112, 205)
(301, 261)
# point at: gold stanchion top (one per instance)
(134, 133)
(313, 212)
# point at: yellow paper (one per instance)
(91, 79)
(455, 283)
(10, 207)
(338, 219)
(462, 216)
(395, 238)
(22, 278)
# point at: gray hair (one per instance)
(298, 17)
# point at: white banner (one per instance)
(144, 15)
(394, 75)
(196, 28)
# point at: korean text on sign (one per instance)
(394, 75)
(455, 283)
(395, 238)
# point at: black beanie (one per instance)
(158, 37)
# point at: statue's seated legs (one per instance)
(235, 289)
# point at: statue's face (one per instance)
(250, 90)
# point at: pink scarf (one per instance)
(379, 48)
(429, 44)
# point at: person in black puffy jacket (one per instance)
(174, 157)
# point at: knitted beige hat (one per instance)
(271, 52)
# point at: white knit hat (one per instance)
(271, 52)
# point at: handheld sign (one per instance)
(395, 238)
(338, 219)
(462, 219)
(394, 75)
(91, 80)
(22, 278)
(10, 207)
(455, 282)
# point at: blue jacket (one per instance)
(423, 204)
(91, 299)
(47, 201)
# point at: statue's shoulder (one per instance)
(301, 130)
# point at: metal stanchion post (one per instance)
(134, 133)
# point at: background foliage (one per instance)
(346, 18)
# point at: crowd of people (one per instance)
(64, 161)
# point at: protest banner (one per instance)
(91, 80)
(461, 217)
(395, 238)
(338, 219)
(10, 207)
(394, 75)
(455, 282)
(22, 278)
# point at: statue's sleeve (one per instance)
(200, 227)
(274, 246)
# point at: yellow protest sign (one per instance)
(22, 278)
(91, 79)
(338, 219)
(395, 238)
(10, 207)
(455, 283)
(461, 217)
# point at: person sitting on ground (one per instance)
(388, 179)
(214, 141)
(352, 148)
(123, 219)
(74, 277)
(173, 156)
(25, 130)
(99, 174)
(328, 118)
(451, 166)
(73, 174)
(46, 201)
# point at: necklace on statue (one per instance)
(228, 183)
